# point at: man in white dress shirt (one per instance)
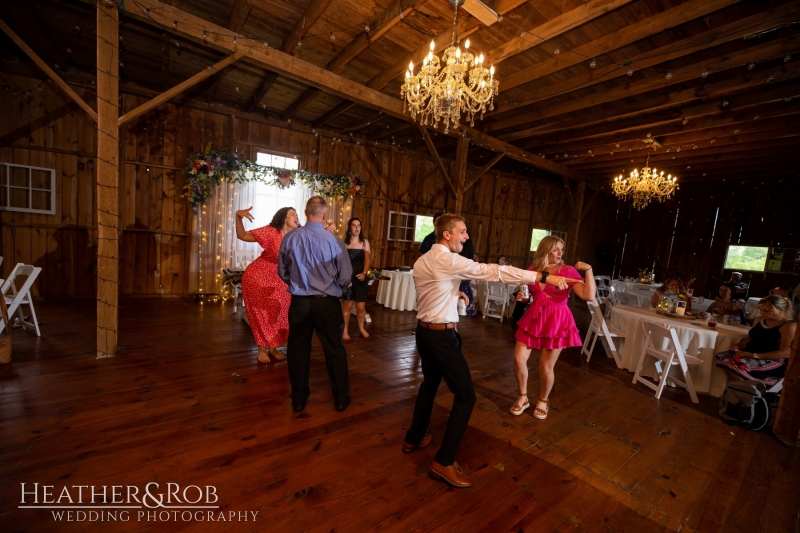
(437, 275)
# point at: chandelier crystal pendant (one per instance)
(646, 185)
(444, 88)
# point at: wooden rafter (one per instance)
(554, 27)
(372, 119)
(313, 75)
(436, 159)
(239, 13)
(38, 27)
(47, 70)
(310, 17)
(385, 22)
(687, 74)
(166, 96)
(492, 162)
(645, 28)
(695, 43)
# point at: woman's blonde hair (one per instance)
(779, 303)
(546, 245)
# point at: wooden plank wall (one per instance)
(44, 129)
(703, 225)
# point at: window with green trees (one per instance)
(746, 257)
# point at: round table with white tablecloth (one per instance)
(398, 292)
(696, 339)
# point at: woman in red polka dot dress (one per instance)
(265, 296)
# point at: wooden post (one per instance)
(575, 227)
(787, 420)
(107, 169)
(459, 173)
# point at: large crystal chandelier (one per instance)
(441, 93)
(646, 185)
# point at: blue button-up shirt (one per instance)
(314, 262)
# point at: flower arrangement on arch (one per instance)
(208, 169)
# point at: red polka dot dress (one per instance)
(265, 294)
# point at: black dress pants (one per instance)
(323, 315)
(442, 357)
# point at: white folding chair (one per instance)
(15, 297)
(241, 258)
(603, 284)
(600, 328)
(672, 355)
(497, 294)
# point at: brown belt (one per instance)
(436, 327)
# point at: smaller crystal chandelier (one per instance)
(441, 93)
(645, 185)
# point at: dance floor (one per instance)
(187, 403)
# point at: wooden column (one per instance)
(459, 173)
(575, 227)
(107, 169)
(787, 420)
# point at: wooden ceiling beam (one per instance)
(318, 77)
(382, 25)
(684, 139)
(486, 168)
(554, 27)
(166, 96)
(687, 73)
(35, 22)
(710, 93)
(239, 14)
(313, 12)
(47, 70)
(332, 114)
(629, 34)
(700, 115)
(373, 119)
(390, 130)
(436, 159)
(696, 43)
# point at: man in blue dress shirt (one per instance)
(316, 266)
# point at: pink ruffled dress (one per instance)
(548, 322)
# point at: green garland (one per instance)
(207, 170)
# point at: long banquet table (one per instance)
(695, 336)
(398, 292)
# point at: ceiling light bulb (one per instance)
(433, 46)
(705, 73)
(557, 50)
(669, 75)
(593, 63)
(787, 58)
(466, 45)
(630, 72)
(751, 66)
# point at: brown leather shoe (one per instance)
(452, 474)
(408, 448)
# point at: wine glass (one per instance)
(712, 320)
(689, 292)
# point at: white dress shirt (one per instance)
(438, 273)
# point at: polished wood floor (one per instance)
(186, 402)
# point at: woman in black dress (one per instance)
(764, 353)
(360, 257)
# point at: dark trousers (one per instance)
(442, 357)
(323, 315)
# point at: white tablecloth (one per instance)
(696, 338)
(398, 292)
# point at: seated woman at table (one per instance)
(764, 353)
(723, 305)
(360, 258)
(265, 296)
(672, 284)
(548, 324)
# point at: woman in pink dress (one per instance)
(265, 294)
(548, 324)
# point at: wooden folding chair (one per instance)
(600, 328)
(673, 355)
(16, 298)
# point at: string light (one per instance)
(593, 63)
(668, 75)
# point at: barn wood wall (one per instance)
(45, 129)
(689, 236)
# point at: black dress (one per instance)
(358, 291)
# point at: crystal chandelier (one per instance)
(441, 93)
(645, 185)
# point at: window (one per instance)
(401, 226)
(27, 189)
(423, 226)
(275, 160)
(266, 199)
(746, 257)
(538, 234)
